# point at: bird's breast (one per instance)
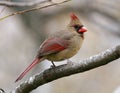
(74, 45)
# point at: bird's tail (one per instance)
(36, 61)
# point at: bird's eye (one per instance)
(77, 27)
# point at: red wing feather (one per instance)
(53, 45)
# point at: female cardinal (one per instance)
(61, 45)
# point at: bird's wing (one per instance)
(52, 45)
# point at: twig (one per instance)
(2, 91)
(68, 69)
(21, 4)
(3, 9)
(33, 9)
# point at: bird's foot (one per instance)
(53, 65)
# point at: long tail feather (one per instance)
(36, 61)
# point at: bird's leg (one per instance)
(53, 65)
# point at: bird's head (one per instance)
(76, 25)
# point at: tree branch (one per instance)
(68, 69)
(21, 4)
(33, 9)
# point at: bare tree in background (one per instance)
(101, 17)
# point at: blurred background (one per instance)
(21, 36)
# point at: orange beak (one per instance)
(83, 29)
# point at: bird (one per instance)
(62, 45)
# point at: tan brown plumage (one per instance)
(61, 45)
